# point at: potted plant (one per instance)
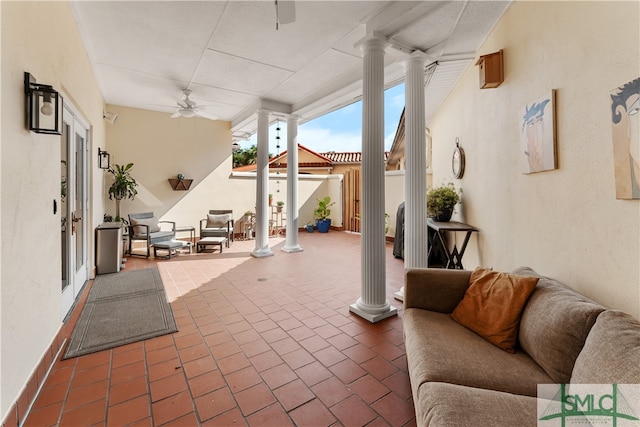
(123, 186)
(246, 217)
(441, 201)
(309, 227)
(279, 205)
(322, 212)
(270, 199)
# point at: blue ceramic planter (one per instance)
(323, 225)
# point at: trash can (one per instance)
(108, 241)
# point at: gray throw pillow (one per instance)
(152, 222)
(218, 221)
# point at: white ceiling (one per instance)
(231, 56)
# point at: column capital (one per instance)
(263, 112)
(292, 118)
(417, 58)
(371, 43)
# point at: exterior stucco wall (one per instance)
(40, 38)
(565, 223)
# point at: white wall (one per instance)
(41, 38)
(565, 223)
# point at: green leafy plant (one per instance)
(442, 199)
(280, 203)
(245, 156)
(123, 186)
(323, 211)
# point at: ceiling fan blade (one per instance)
(182, 104)
(175, 115)
(285, 11)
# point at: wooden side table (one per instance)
(453, 257)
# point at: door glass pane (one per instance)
(64, 187)
(79, 202)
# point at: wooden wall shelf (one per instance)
(180, 184)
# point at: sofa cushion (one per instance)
(450, 405)
(151, 222)
(218, 221)
(161, 236)
(492, 304)
(554, 325)
(611, 353)
(440, 349)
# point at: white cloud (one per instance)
(321, 139)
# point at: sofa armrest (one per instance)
(434, 289)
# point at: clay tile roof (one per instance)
(324, 159)
(347, 157)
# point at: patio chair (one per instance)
(218, 223)
(146, 227)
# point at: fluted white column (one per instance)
(291, 244)
(262, 248)
(415, 179)
(372, 304)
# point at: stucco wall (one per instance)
(200, 149)
(41, 38)
(565, 223)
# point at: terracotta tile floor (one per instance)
(261, 342)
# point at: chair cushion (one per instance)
(151, 222)
(492, 305)
(218, 221)
(161, 236)
(611, 353)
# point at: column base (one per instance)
(291, 249)
(399, 295)
(373, 317)
(261, 253)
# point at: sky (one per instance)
(340, 130)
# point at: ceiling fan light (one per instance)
(187, 112)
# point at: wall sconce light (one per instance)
(43, 107)
(235, 147)
(103, 159)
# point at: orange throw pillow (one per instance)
(492, 306)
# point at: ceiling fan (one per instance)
(285, 12)
(188, 108)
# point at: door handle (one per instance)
(74, 219)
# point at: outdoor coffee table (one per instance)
(170, 246)
(210, 241)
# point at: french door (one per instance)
(74, 208)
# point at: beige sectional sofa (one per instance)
(460, 379)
